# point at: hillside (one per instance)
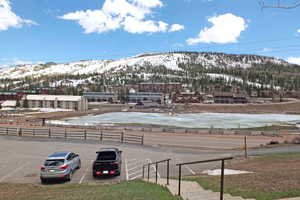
(197, 70)
(169, 60)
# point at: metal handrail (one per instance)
(205, 161)
(156, 169)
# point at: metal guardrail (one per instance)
(73, 134)
(156, 169)
(205, 161)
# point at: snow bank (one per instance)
(217, 172)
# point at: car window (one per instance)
(70, 156)
(54, 163)
(106, 155)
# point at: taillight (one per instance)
(42, 168)
(99, 173)
(64, 167)
(112, 172)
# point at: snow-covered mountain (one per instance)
(169, 60)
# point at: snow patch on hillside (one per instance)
(169, 60)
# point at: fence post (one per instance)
(156, 171)
(148, 171)
(20, 132)
(142, 139)
(222, 181)
(122, 137)
(143, 171)
(33, 132)
(49, 133)
(101, 135)
(246, 153)
(179, 181)
(168, 171)
(84, 134)
(6, 130)
(66, 134)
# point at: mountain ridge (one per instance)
(170, 60)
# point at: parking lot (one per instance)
(21, 158)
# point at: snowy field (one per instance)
(198, 120)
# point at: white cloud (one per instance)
(9, 19)
(225, 29)
(133, 25)
(129, 15)
(265, 50)
(298, 30)
(149, 4)
(176, 27)
(294, 60)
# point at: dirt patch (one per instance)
(274, 108)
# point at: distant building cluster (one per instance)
(143, 95)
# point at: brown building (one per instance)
(292, 94)
(223, 97)
(11, 96)
(267, 94)
(241, 99)
(192, 97)
(228, 97)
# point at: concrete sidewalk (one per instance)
(193, 191)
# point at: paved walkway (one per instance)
(193, 191)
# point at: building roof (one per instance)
(9, 103)
(53, 98)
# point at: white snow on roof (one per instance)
(53, 98)
(9, 103)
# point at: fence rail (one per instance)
(83, 134)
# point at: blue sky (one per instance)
(34, 31)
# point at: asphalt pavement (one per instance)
(21, 158)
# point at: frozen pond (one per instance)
(196, 120)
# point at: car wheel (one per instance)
(43, 181)
(79, 165)
(69, 176)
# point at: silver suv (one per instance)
(60, 165)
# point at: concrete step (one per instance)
(191, 190)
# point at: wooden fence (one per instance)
(73, 134)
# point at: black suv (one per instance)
(108, 162)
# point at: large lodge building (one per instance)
(78, 103)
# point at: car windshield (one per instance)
(106, 155)
(54, 163)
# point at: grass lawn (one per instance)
(134, 190)
(276, 176)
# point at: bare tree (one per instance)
(284, 4)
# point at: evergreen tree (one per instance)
(25, 103)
